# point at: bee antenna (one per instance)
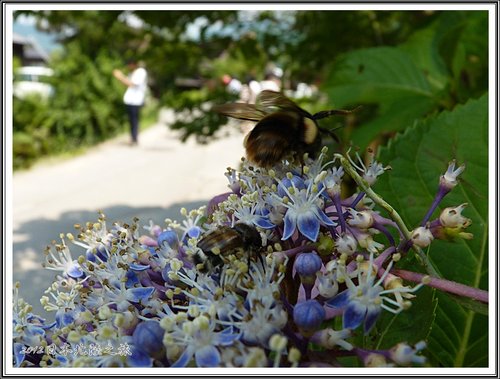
(333, 112)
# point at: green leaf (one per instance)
(387, 77)
(410, 326)
(418, 158)
(423, 47)
(401, 113)
(376, 75)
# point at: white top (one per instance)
(136, 93)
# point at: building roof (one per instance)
(32, 51)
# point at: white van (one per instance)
(32, 79)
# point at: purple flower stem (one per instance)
(338, 206)
(382, 257)
(299, 249)
(445, 285)
(439, 196)
(383, 229)
(358, 198)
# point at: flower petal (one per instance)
(371, 317)
(227, 336)
(207, 356)
(184, 359)
(138, 267)
(263, 222)
(139, 358)
(308, 225)
(325, 220)
(354, 315)
(18, 354)
(75, 271)
(340, 300)
(137, 294)
(290, 224)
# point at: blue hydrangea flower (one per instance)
(304, 213)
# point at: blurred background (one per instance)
(70, 132)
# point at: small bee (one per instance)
(282, 127)
(218, 244)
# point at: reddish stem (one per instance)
(445, 285)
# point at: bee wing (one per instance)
(270, 99)
(240, 111)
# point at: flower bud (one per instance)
(346, 244)
(307, 264)
(449, 179)
(325, 245)
(308, 316)
(148, 335)
(148, 241)
(452, 217)
(422, 236)
(404, 354)
(362, 220)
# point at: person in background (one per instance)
(233, 85)
(271, 82)
(135, 94)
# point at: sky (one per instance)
(25, 26)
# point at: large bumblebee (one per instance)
(217, 245)
(282, 127)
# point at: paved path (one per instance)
(150, 181)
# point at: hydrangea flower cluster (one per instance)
(319, 276)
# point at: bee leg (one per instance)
(330, 133)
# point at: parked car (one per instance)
(32, 79)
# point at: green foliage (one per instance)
(458, 336)
(423, 75)
(30, 136)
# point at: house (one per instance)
(28, 51)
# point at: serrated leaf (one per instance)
(376, 75)
(387, 77)
(418, 158)
(410, 326)
(401, 113)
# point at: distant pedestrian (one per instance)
(135, 94)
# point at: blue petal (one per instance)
(75, 271)
(371, 317)
(298, 182)
(309, 226)
(139, 359)
(148, 335)
(227, 336)
(194, 232)
(138, 267)
(264, 223)
(18, 355)
(340, 300)
(325, 220)
(207, 356)
(137, 294)
(132, 279)
(354, 315)
(184, 358)
(290, 225)
(169, 237)
(284, 184)
(49, 326)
